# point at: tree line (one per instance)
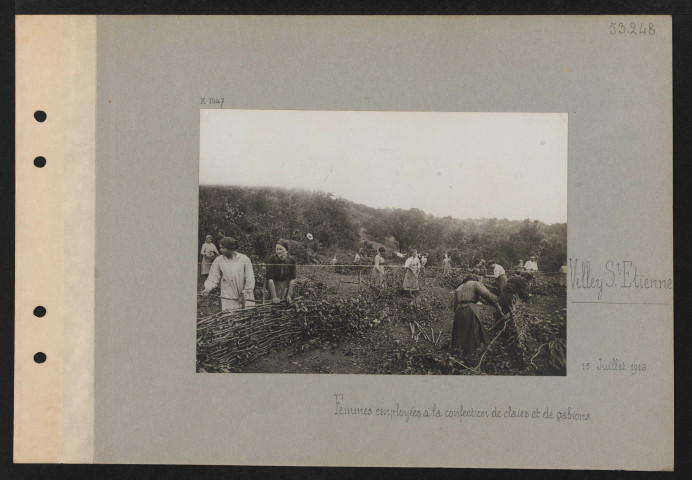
(258, 217)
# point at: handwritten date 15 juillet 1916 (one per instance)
(632, 28)
(613, 364)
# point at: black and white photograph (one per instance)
(365, 242)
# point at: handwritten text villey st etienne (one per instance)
(620, 274)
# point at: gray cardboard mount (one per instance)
(151, 406)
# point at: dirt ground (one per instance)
(386, 347)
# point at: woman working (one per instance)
(281, 273)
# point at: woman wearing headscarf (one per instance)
(378, 269)
(209, 252)
(468, 333)
(446, 266)
(281, 273)
(412, 267)
(232, 271)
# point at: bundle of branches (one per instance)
(550, 358)
(518, 337)
(521, 327)
(540, 346)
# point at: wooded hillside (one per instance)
(258, 217)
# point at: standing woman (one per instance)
(531, 265)
(468, 333)
(233, 272)
(209, 252)
(412, 267)
(281, 273)
(446, 266)
(378, 269)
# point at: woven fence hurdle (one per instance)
(229, 340)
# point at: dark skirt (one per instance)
(281, 287)
(468, 333)
(500, 283)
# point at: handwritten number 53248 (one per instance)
(632, 29)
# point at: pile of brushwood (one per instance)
(519, 347)
(541, 344)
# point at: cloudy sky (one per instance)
(466, 165)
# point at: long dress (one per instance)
(378, 272)
(446, 267)
(236, 278)
(411, 277)
(468, 333)
(209, 252)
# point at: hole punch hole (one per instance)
(40, 357)
(39, 311)
(40, 116)
(39, 162)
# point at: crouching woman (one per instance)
(281, 273)
(468, 333)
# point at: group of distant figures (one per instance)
(232, 272)
(415, 269)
